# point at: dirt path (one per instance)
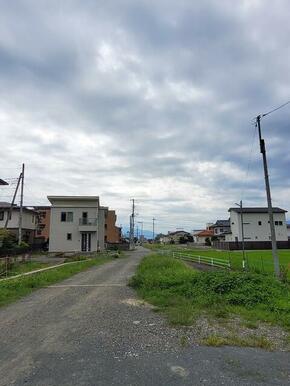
(91, 330)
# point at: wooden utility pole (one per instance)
(21, 207)
(269, 200)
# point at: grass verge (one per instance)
(15, 289)
(185, 295)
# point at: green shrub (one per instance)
(160, 279)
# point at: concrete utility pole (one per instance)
(141, 232)
(243, 235)
(21, 207)
(132, 224)
(269, 200)
(153, 229)
(12, 203)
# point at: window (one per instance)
(68, 236)
(280, 222)
(259, 222)
(106, 226)
(276, 222)
(66, 217)
(38, 232)
(2, 215)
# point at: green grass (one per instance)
(184, 294)
(14, 289)
(233, 340)
(19, 268)
(259, 260)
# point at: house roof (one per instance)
(204, 233)
(221, 223)
(2, 182)
(6, 205)
(257, 210)
(178, 232)
(75, 198)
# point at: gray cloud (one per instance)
(146, 99)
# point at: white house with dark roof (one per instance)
(220, 227)
(257, 234)
(29, 221)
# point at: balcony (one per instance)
(88, 224)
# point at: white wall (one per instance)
(28, 220)
(58, 230)
(253, 231)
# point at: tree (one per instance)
(208, 242)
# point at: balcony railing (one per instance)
(88, 221)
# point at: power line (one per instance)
(275, 109)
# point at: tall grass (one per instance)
(183, 293)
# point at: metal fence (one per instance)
(212, 261)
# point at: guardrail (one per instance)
(212, 261)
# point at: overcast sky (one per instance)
(147, 99)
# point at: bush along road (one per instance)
(92, 329)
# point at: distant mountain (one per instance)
(147, 234)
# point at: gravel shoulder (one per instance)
(92, 330)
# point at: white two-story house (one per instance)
(257, 234)
(77, 224)
(29, 221)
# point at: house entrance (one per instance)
(86, 242)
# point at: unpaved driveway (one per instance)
(91, 330)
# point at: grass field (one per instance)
(14, 289)
(185, 295)
(258, 260)
(24, 267)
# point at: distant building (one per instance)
(257, 233)
(220, 227)
(112, 232)
(29, 221)
(175, 237)
(201, 236)
(77, 224)
(43, 223)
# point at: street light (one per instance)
(240, 205)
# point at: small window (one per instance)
(66, 217)
(280, 222)
(276, 222)
(70, 216)
(233, 223)
(260, 222)
(68, 236)
(2, 215)
(106, 226)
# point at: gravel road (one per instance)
(91, 330)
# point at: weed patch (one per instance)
(183, 294)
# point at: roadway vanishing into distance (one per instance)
(91, 330)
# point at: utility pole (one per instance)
(12, 203)
(21, 207)
(141, 232)
(132, 224)
(243, 235)
(269, 200)
(153, 229)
